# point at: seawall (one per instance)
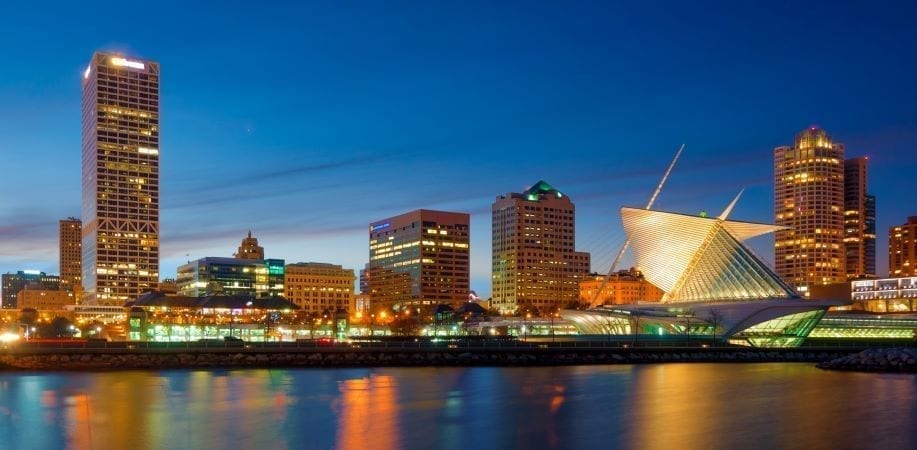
(124, 359)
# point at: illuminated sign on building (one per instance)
(379, 226)
(127, 63)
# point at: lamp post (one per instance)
(526, 325)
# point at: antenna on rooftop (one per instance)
(649, 204)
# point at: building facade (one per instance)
(809, 203)
(319, 287)
(15, 282)
(231, 276)
(859, 221)
(626, 287)
(902, 249)
(419, 258)
(71, 256)
(120, 211)
(36, 296)
(888, 295)
(535, 264)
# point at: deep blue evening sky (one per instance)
(307, 122)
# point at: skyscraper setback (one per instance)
(535, 262)
(809, 201)
(120, 210)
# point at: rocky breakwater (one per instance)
(77, 359)
(876, 360)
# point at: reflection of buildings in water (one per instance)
(368, 414)
(78, 415)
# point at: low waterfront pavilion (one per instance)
(158, 317)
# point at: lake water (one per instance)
(686, 406)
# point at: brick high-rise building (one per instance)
(902, 249)
(535, 262)
(419, 258)
(809, 200)
(120, 234)
(71, 257)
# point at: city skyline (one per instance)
(295, 154)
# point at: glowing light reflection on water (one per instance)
(645, 407)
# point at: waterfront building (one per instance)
(71, 256)
(859, 221)
(420, 258)
(37, 296)
(809, 208)
(902, 249)
(714, 285)
(319, 287)
(887, 295)
(236, 276)
(249, 249)
(231, 276)
(14, 282)
(625, 287)
(157, 317)
(120, 214)
(535, 264)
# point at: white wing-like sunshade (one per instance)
(695, 258)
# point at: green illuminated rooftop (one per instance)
(541, 188)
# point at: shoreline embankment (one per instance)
(191, 358)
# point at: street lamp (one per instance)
(528, 317)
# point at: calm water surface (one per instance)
(730, 406)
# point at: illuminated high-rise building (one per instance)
(120, 211)
(71, 256)
(809, 202)
(420, 258)
(902, 249)
(859, 221)
(535, 262)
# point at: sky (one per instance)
(305, 121)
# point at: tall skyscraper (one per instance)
(809, 200)
(120, 178)
(535, 262)
(902, 249)
(859, 221)
(71, 256)
(420, 258)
